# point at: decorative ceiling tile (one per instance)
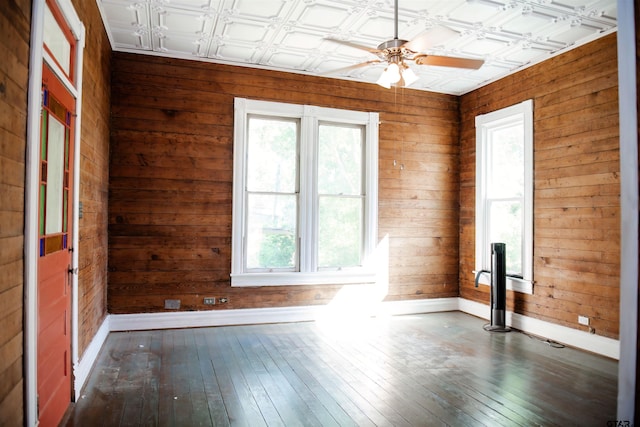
(232, 53)
(475, 11)
(300, 40)
(576, 31)
(483, 47)
(286, 60)
(295, 35)
(323, 16)
(245, 32)
(131, 40)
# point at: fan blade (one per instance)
(350, 67)
(430, 38)
(448, 61)
(356, 46)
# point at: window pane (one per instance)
(506, 227)
(56, 41)
(272, 155)
(271, 231)
(340, 232)
(506, 162)
(340, 153)
(55, 174)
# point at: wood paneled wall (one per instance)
(94, 174)
(171, 181)
(15, 27)
(576, 186)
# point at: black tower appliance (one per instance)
(498, 288)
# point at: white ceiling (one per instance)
(291, 35)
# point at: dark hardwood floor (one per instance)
(419, 370)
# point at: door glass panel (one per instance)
(55, 176)
(56, 41)
(43, 192)
(43, 142)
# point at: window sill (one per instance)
(292, 278)
(513, 283)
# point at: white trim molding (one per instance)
(518, 115)
(573, 337)
(627, 99)
(192, 319)
(82, 367)
(513, 283)
(249, 316)
(305, 269)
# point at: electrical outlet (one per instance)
(209, 301)
(172, 304)
(223, 300)
(583, 320)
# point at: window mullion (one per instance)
(306, 216)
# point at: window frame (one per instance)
(310, 118)
(522, 112)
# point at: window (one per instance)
(504, 192)
(304, 194)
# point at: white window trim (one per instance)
(310, 116)
(483, 123)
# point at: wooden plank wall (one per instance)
(576, 186)
(94, 174)
(171, 180)
(15, 18)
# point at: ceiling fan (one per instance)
(397, 52)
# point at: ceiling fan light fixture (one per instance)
(393, 73)
(408, 76)
(383, 80)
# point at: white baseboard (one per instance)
(575, 338)
(82, 368)
(248, 316)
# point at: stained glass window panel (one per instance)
(55, 177)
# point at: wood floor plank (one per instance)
(295, 385)
(299, 355)
(365, 353)
(248, 407)
(420, 370)
(212, 393)
(407, 389)
(306, 379)
(224, 381)
(292, 409)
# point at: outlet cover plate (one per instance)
(583, 320)
(172, 304)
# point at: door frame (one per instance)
(629, 200)
(37, 57)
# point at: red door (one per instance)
(54, 262)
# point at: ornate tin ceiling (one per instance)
(292, 35)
